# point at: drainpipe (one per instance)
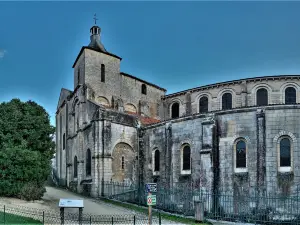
(66, 150)
(102, 179)
(138, 163)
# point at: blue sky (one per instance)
(176, 45)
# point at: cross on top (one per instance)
(95, 18)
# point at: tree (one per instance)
(26, 149)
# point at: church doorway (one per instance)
(123, 163)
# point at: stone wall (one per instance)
(119, 90)
(243, 94)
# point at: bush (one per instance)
(26, 149)
(21, 169)
(32, 191)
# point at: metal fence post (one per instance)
(90, 220)
(134, 220)
(159, 219)
(43, 217)
(112, 220)
(4, 214)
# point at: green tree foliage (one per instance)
(26, 149)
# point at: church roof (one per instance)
(97, 50)
(253, 79)
(64, 93)
(143, 81)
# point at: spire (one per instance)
(95, 37)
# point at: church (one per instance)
(239, 136)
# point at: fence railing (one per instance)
(23, 215)
(255, 206)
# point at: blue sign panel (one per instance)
(151, 187)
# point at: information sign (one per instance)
(70, 203)
(151, 200)
(151, 187)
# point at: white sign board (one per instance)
(70, 203)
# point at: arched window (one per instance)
(285, 152)
(227, 101)
(64, 141)
(175, 110)
(144, 89)
(88, 165)
(156, 161)
(241, 159)
(290, 95)
(203, 104)
(122, 163)
(262, 97)
(186, 158)
(75, 167)
(102, 73)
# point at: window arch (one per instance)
(102, 73)
(262, 97)
(186, 159)
(156, 160)
(123, 163)
(290, 95)
(227, 101)
(175, 110)
(88, 165)
(240, 155)
(75, 167)
(285, 152)
(203, 104)
(64, 141)
(144, 89)
(241, 158)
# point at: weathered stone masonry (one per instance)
(123, 127)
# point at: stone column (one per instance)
(244, 100)
(188, 104)
(261, 155)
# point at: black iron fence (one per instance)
(245, 205)
(23, 215)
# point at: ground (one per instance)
(91, 206)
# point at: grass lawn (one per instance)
(163, 215)
(14, 219)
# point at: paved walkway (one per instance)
(91, 206)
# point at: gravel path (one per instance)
(91, 206)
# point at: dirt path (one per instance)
(90, 206)
(50, 202)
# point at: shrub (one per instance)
(32, 191)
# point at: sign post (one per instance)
(151, 199)
(70, 203)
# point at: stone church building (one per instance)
(231, 136)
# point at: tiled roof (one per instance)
(144, 120)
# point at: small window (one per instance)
(156, 161)
(241, 154)
(186, 158)
(88, 165)
(290, 95)
(64, 141)
(144, 89)
(227, 101)
(203, 104)
(102, 73)
(262, 97)
(123, 163)
(75, 167)
(175, 110)
(285, 152)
